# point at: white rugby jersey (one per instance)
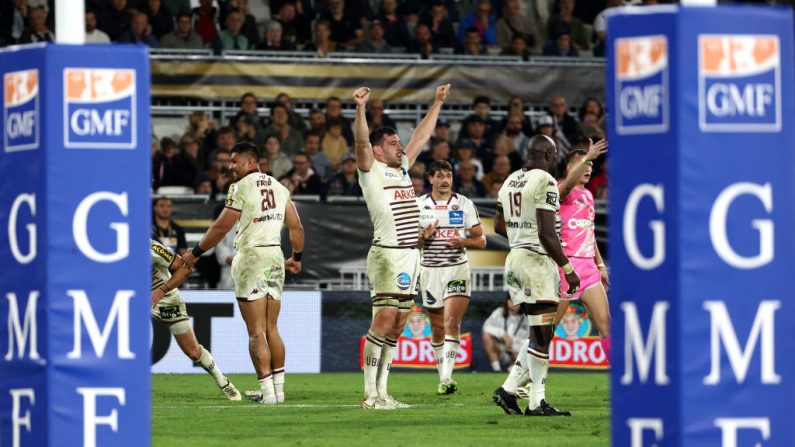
(455, 216)
(262, 201)
(162, 258)
(524, 192)
(391, 202)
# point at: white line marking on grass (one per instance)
(233, 406)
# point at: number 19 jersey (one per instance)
(524, 192)
(262, 202)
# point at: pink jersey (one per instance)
(577, 217)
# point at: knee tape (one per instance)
(179, 327)
(542, 319)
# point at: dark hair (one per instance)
(439, 165)
(312, 133)
(302, 154)
(246, 148)
(575, 153)
(471, 29)
(584, 105)
(167, 143)
(481, 100)
(226, 129)
(278, 105)
(248, 94)
(157, 200)
(335, 121)
(333, 98)
(184, 13)
(377, 136)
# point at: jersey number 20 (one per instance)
(268, 201)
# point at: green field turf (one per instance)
(323, 410)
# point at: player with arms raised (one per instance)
(445, 282)
(526, 214)
(168, 273)
(260, 206)
(393, 259)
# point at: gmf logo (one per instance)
(641, 84)
(21, 110)
(99, 108)
(739, 83)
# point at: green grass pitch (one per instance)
(323, 410)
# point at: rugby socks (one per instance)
(539, 365)
(451, 345)
(387, 354)
(438, 354)
(607, 347)
(518, 374)
(266, 385)
(207, 363)
(278, 384)
(373, 345)
(495, 366)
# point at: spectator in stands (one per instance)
(546, 126)
(481, 108)
(190, 147)
(560, 45)
(345, 23)
(249, 28)
(202, 129)
(295, 28)
(183, 37)
(465, 152)
(442, 130)
(248, 108)
(503, 334)
(513, 132)
(566, 130)
(278, 161)
(317, 122)
(94, 35)
(160, 17)
(320, 161)
(273, 40)
(598, 185)
(437, 20)
(293, 117)
(231, 38)
(334, 110)
(225, 140)
(205, 21)
(482, 19)
(334, 144)
(203, 185)
(500, 170)
(37, 30)
(396, 32)
(116, 19)
(439, 151)
(587, 10)
(476, 128)
(600, 27)
(245, 130)
(323, 43)
(177, 7)
(516, 107)
(589, 127)
(165, 230)
(219, 171)
(473, 44)
(376, 116)
(465, 182)
(290, 138)
(185, 163)
(564, 20)
(503, 145)
(419, 184)
(13, 21)
(513, 24)
(518, 47)
(422, 43)
(165, 171)
(594, 106)
(345, 182)
(374, 43)
(139, 32)
(494, 192)
(303, 178)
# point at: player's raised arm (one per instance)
(576, 173)
(425, 129)
(361, 133)
(293, 222)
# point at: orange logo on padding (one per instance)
(98, 85)
(640, 57)
(20, 87)
(738, 55)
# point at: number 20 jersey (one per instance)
(524, 192)
(262, 202)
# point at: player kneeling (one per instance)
(168, 273)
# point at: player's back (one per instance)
(262, 202)
(391, 203)
(523, 193)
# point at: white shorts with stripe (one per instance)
(439, 283)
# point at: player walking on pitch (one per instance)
(168, 273)
(261, 206)
(445, 282)
(526, 214)
(393, 259)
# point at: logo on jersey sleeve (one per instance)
(739, 79)
(641, 77)
(21, 110)
(99, 108)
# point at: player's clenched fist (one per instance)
(442, 92)
(361, 95)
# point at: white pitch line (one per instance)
(233, 406)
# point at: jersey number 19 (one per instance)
(515, 199)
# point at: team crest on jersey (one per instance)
(99, 108)
(21, 110)
(403, 281)
(454, 207)
(456, 217)
(739, 83)
(641, 78)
